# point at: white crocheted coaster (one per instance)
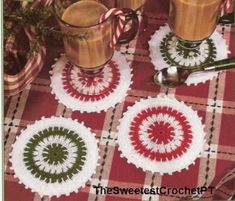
(161, 135)
(165, 52)
(78, 92)
(55, 156)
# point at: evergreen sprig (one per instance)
(31, 17)
(37, 18)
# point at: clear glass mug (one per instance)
(193, 21)
(90, 49)
(131, 17)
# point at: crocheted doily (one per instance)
(55, 156)
(165, 52)
(79, 92)
(161, 135)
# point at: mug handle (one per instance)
(228, 18)
(130, 16)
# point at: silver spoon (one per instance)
(175, 76)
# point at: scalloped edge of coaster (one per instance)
(158, 61)
(167, 167)
(56, 189)
(117, 96)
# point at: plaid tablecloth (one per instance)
(214, 101)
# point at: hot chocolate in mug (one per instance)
(193, 21)
(92, 50)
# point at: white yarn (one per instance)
(65, 187)
(159, 63)
(169, 166)
(117, 96)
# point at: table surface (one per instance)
(214, 101)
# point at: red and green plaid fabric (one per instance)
(214, 101)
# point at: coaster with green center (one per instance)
(165, 51)
(55, 156)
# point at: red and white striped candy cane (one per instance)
(121, 23)
(226, 6)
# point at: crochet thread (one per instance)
(91, 94)
(165, 52)
(54, 156)
(160, 135)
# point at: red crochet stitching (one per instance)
(88, 82)
(160, 133)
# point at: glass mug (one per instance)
(193, 21)
(91, 50)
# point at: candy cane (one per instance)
(121, 23)
(226, 6)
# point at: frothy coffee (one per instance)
(94, 49)
(193, 20)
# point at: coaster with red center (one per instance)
(161, 135)
(80, 92)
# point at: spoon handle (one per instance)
(220, 65)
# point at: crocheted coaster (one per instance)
(79, 92)
(161, 135)
(165, 52)
(54, 156)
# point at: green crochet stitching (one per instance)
(170, 40)
(55, 154)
